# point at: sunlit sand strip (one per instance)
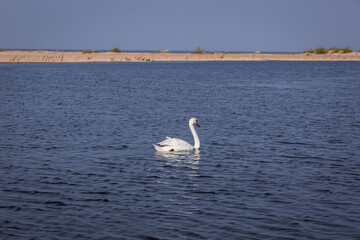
(79, 57)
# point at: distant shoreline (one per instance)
(141, 51)
(79, 57)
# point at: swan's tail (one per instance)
(163, 149)
(157, 148)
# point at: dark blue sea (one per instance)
(279, 157)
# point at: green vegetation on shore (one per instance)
(322, 50)
(199, 50)
(115, 50)
(88, 51)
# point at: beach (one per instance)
(79, 57)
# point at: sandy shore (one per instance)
(78, 57)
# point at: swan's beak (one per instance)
(197, 124)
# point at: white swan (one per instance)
(175, 144)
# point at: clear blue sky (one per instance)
(233, 25)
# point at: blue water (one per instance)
(279, 157)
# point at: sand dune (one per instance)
(78, 57)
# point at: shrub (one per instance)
(115, 50)
(94, 51)
(199, 50)
(320, 50)
(86, 51)
(347, 50)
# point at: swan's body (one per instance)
(175, 144)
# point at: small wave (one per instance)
(148, 237)
(95, 200)
(100, 193)
(15, 208)
(58, 203)
(294, 143)
(204, 192)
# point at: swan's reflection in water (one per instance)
(178, 174)
(191, 159)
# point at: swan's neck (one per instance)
(196, 137)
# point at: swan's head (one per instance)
(193, 121)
